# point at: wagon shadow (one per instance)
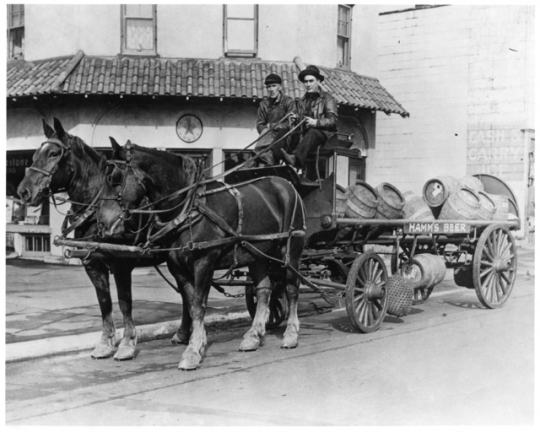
(464, 304)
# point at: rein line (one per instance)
(224, 174)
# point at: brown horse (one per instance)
(252, 224)
(65, 163)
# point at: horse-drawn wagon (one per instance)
(341, 263)
(144, 207)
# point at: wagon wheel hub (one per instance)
(500, 265)
(374, 292)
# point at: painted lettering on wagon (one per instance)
(436, 228)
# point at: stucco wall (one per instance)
(196, 31)
(461, 71)
(61, 30)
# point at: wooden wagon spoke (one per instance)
(487, 280)
(485, 272)
(375, 310)
(487, 263)
(377, 304)
(503, 275)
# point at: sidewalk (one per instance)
(56, 305)
(53, 308)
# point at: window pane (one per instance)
(46, 244)
(142, 10)
(342, 52)
(241, 35)
(343, 21)
(37, 244)
(28, 243)
(240, 11)
(140, 35)
(16, 42)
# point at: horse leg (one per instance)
(290, 337)
(263, 287)
(98, 273)
(122, 276)
(184, 331)
(198, 294)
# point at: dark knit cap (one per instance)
(272, 79)
(311, 70)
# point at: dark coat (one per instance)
(324, 110)
(271, 112)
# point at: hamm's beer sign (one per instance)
(436, 228)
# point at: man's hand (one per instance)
(310, 122)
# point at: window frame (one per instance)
(12, 30)
(123, 42)
(347, 38)
(237, 52)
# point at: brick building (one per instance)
(466, 75)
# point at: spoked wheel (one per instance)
(366, 298)
(494, 266)
(421, 295)
(278, 306)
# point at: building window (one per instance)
(37, 243)
(15, 34)
(344, 36)
(139, 29)
(240, 30)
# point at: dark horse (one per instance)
(220, 226)
(65, 162)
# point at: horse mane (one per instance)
(189, 168)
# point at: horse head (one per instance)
(140, 176)
(53, 168)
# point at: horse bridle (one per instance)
(65, 151)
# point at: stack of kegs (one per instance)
(443, 198)
(463, 199)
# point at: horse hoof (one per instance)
(190, 361)
(249, 345)
(182, 339)
(125, 353)
(289, 347)
(102, 352)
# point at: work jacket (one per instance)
(271, 111)
(324, 111)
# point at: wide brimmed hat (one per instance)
(272, 79)
(311, 70)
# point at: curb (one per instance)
(33, 349)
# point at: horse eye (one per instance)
(54, 154)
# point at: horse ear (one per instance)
(59, 128)
(47, 130)
(116, 147)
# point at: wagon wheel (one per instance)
(366, 298)
(278, 306)
(421, 295)
(494, 266)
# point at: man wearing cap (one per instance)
(271, 111)
(319, 109)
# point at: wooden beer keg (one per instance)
(487, 207)
(437, 190)
(501, 207)
(472, 183)
(361, 201)
(462, 204)
(391, 202)
(416, 208)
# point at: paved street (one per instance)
(450, 362)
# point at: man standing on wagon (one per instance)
(271, 111)
(319, 109)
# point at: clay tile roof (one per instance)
(186, 77)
